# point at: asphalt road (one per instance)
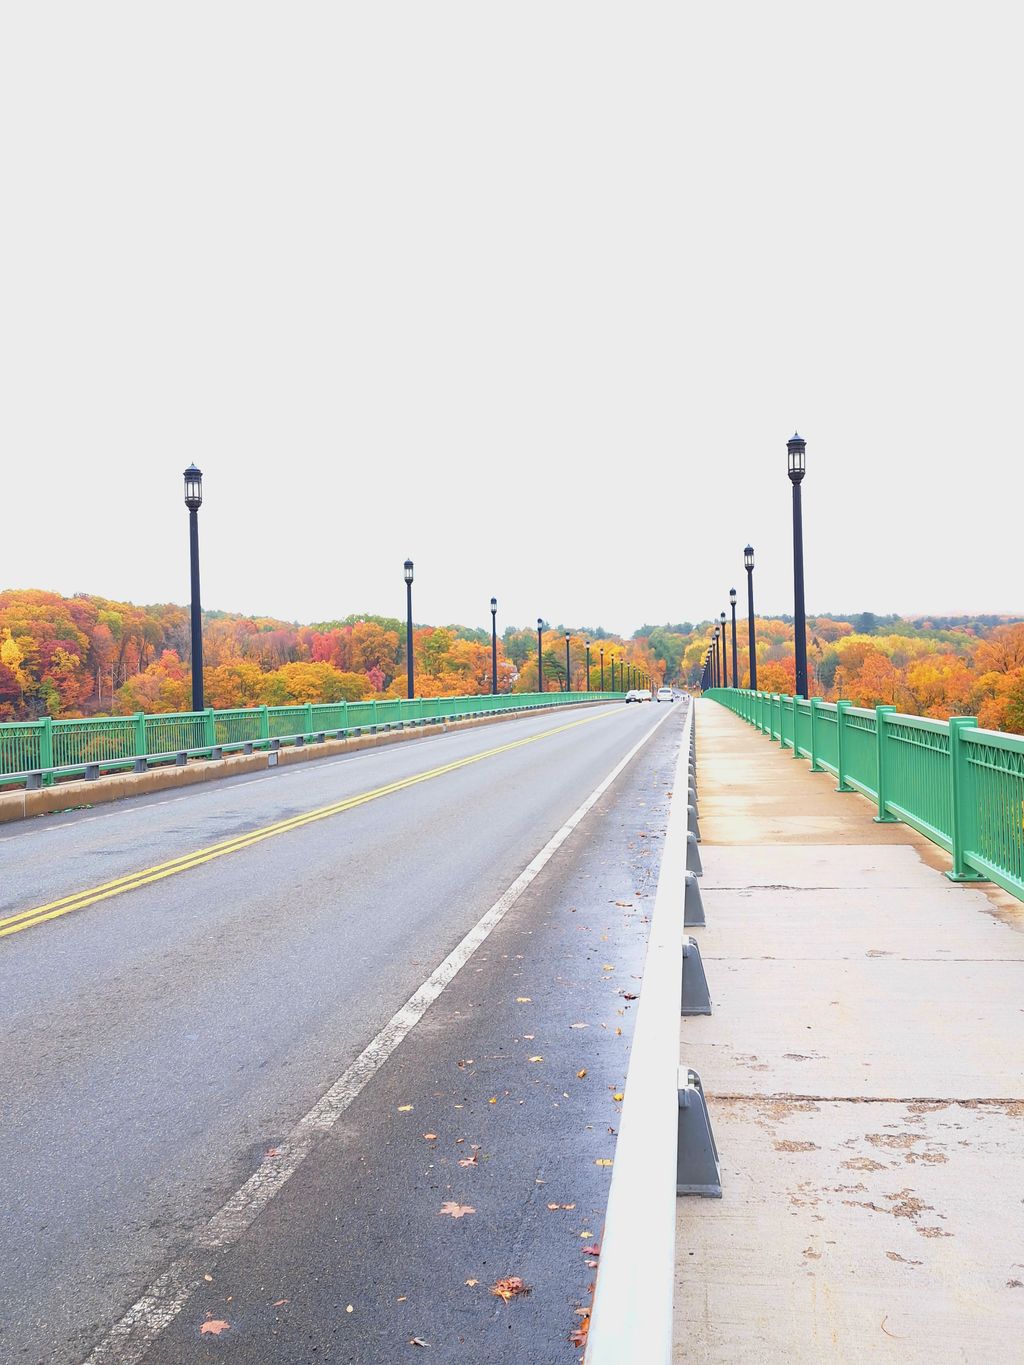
(158, 1040)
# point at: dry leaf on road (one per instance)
(214, 1327)
(454, 1210)
(581, 1074)
(509, 1288)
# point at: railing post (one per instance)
(139, 722)
(209, 728)
(841, 709)
(959, 872)
(46, 749)
(815, 708)
(796, 721)
(881, 715)
(307, 716)
(264, 722)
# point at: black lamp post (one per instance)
(540, 654)
(193, 501)
(602, 666)
(797, 447)
(725, 656)
(587, 643)
(567, 661)
(735, 665)
(494, 646)
(716, 667)
(411, 688)
(748, 564)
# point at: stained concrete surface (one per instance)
(865, 1070)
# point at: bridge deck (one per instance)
(865, 1071)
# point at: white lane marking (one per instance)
(128, 1340)
(131, 807)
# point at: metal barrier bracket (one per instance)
(693, 904)
(695, 998)
(698, 1169)
(693, 862)
(692, 823)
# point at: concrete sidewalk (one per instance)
(864, 1065)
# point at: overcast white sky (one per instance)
(531, 292)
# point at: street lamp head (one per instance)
(494, 606)
(586, 644)
(732, 596)
(540, 623)
(716, 632)
(722, 619)
(567, 636)
(193, 488)
(797, 448)
(408, 570)
(748, 557)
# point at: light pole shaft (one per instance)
(494, 654)
(567, 665)
(197, 612)
(750, 630)
(540, 660)
(735, 665)
(411, 687)
(799, 620)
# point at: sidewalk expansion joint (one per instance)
(987, 1101)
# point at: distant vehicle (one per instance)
(643, 694)
(666, 694)
(633, 694)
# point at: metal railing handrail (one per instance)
(137, 728)
(631, 1319)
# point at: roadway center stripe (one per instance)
(25, 919)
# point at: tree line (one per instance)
(86, 655)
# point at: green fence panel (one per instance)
(826, 736)
(993, 801)
(77, 742)
(168, 734)
(918, 786)
(20, 746)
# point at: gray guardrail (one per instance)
(665, 1145)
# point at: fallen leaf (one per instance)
(214, 1327)
(349, 1308)
(509, 1288)
(472, 1283)
(279, 1303)
(272, 1151)
(523, 1000)
(402, 1298)
(628, 995)
(618, 1095)
(468, 1160)
(468, 1062)
(418, 1341)
(595, 1250)
(208, 1279)
(577, 1026)
(592, 1264)
(608, 967)
(493, 1100)
(454, 1210)
(586, 1233)
(581, 1074)
(404, 1108)
(578, 1336)
(618, 1033)
(602, 1161)
(535, 1059)
(430, 1137)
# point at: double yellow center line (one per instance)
(25, 919)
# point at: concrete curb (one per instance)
(24, 805)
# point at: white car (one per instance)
(666, 694)
(633, 694)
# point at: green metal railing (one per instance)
(961, 787)
(38, 752)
